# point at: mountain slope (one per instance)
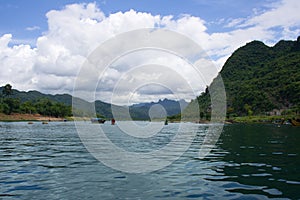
(259, 78)
(172, 107)
(137, 111)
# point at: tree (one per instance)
(7, 90)
(28, 107)
(230, 111)
(10, 105)
(248, 109)
(50, 108)
(206, 90)
(4, 108)
(201, 115)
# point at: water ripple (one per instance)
(248, 162)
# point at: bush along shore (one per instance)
(263, 119)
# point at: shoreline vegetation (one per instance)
(259, 119)
(18, 117)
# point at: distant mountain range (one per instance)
(259, 79)
(171, 108)
(137, 111)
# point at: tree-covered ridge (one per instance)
(11, 102)
(31, 102)
(259, 79)
(171, 107)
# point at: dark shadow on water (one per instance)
(264, 156)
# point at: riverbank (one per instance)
(256, 119)
(245, 119)
(27, 117)
(262, 119)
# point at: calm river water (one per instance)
(248, 162)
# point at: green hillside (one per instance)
(33, 102)
(259, 79)
(36, 102)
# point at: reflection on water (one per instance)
(266, 157)
(249, 161)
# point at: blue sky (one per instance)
(43, 44)
(27, 20)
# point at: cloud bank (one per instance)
(51, 66)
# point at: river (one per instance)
(49, 161)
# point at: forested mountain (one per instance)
(172, 107)
(259, 79)
(35, 95)
(24, 100)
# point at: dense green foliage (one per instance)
(198, 110)
(10, 103)
(259, 79)
(15, 101)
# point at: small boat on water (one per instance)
(295, 122)
(166, 122)
(98, 120)
(113, 121)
